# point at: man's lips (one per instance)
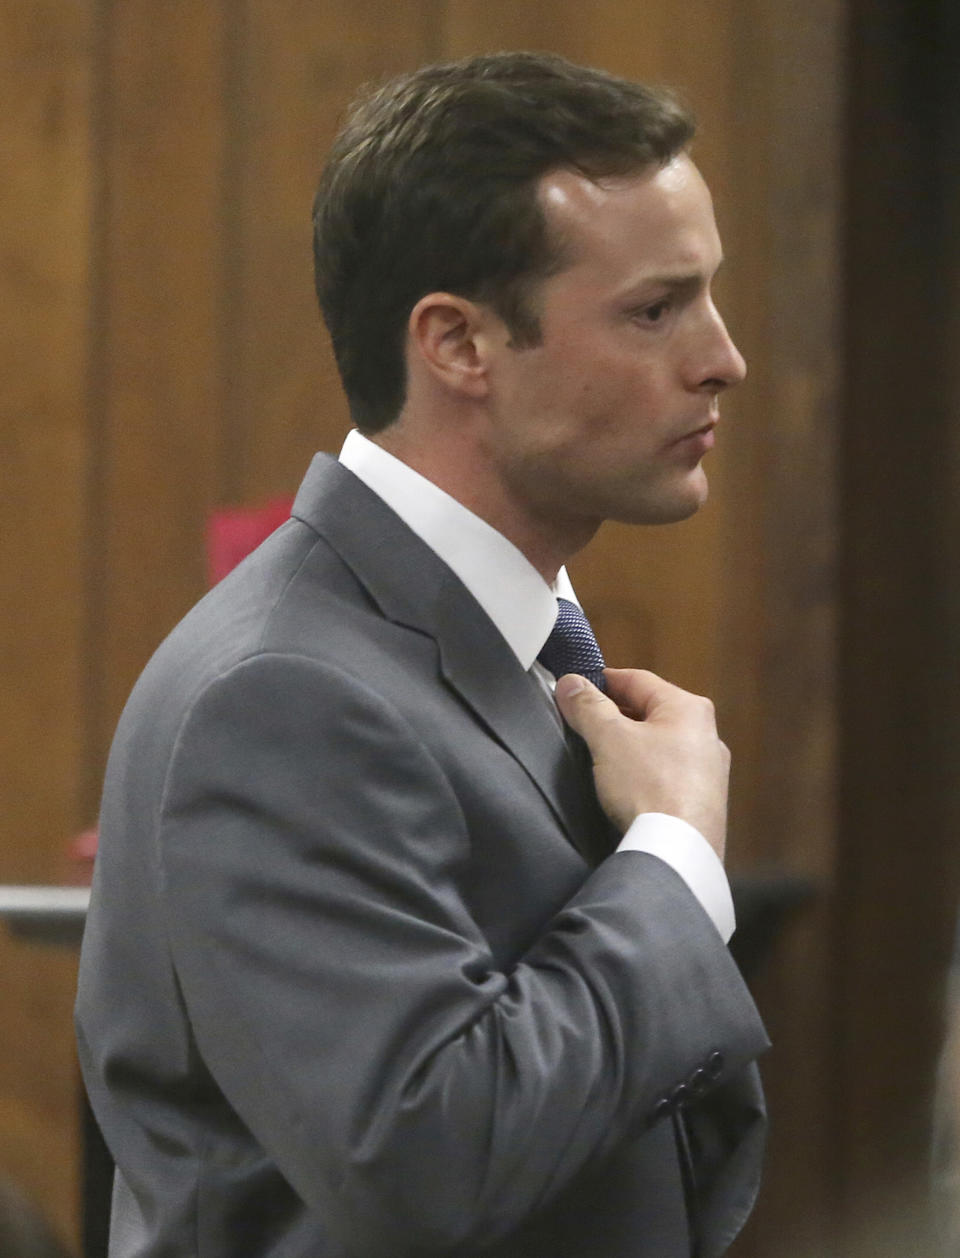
(702, 436)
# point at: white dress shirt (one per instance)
(524, 607)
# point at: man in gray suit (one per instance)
(380, 961)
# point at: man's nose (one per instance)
(725, 365)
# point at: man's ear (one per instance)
(449, 335)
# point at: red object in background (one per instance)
(232, 533)
(80, 853)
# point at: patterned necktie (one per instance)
(571, 647)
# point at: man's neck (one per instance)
(546, 546)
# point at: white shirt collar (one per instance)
(502, 580)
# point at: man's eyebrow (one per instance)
(642, 288)
(679, 281)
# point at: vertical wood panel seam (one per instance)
(97, 431)
(234, 411)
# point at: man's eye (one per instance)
(654, 313)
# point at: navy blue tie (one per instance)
(571, 647)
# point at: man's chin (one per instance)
(667, 507)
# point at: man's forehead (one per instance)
(656, 205)
(568, 194)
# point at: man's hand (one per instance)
(655, 748)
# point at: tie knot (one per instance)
(572, 647)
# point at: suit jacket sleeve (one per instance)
(310, 854)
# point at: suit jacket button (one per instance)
(662, 1109)
(715, 1064)
(698, 1082)
(678, 1095)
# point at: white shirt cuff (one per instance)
(686, 850)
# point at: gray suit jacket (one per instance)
(356, 980)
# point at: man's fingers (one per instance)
(636, 691)
(645, 696)
(633, 692)
(669, 758)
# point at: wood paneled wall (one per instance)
(46, 204)
(165, 358)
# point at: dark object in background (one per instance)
(763, 902)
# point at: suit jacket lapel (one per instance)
(511, 704)
(413, 587)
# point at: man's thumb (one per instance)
(580, 702)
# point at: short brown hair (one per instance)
(431, 186)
